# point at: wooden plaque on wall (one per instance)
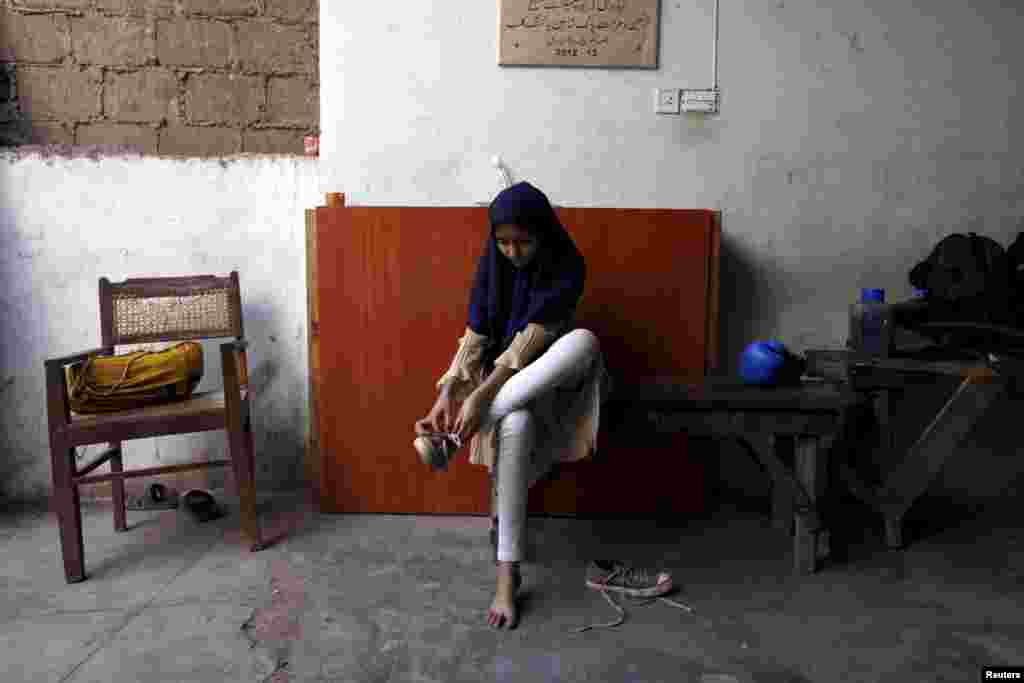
(621, 33)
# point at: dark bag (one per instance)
(968, 278)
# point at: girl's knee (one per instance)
(586, 340)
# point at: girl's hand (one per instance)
(438, 419)
(424, 426)
(471, 415)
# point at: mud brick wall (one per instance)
(197, 78)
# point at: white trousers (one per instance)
(565, 363)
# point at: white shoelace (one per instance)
(622, 612)
(630, 573)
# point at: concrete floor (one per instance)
(357, 598)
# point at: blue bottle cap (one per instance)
(920, 293)
(877, 295)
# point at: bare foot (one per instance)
(503, 610)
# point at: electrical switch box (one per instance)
(702, 101)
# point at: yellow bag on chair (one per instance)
(104, 384)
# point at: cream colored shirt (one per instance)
(525, 347)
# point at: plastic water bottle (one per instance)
(873, 321)
(867, 322)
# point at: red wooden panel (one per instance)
(393, 286)
(646, 299)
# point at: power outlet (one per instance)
(666, 100)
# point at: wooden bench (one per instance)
(805, 420)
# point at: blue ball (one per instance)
(761, 362)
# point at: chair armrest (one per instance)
(75, 357)
(234, 365)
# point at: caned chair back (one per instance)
(146, 310)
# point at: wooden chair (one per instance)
(139, 311)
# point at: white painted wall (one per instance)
(64, 223)
(853, 134)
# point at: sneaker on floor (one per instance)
(437, 450)
(612, 575)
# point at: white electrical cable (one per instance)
(714, 53)
(497, 163)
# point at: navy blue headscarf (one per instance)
(505, 299)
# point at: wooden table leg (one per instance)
(811, 541)
(783, 500)
(937, 443)
(894, 531)
(883, 417)
(766, 449)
